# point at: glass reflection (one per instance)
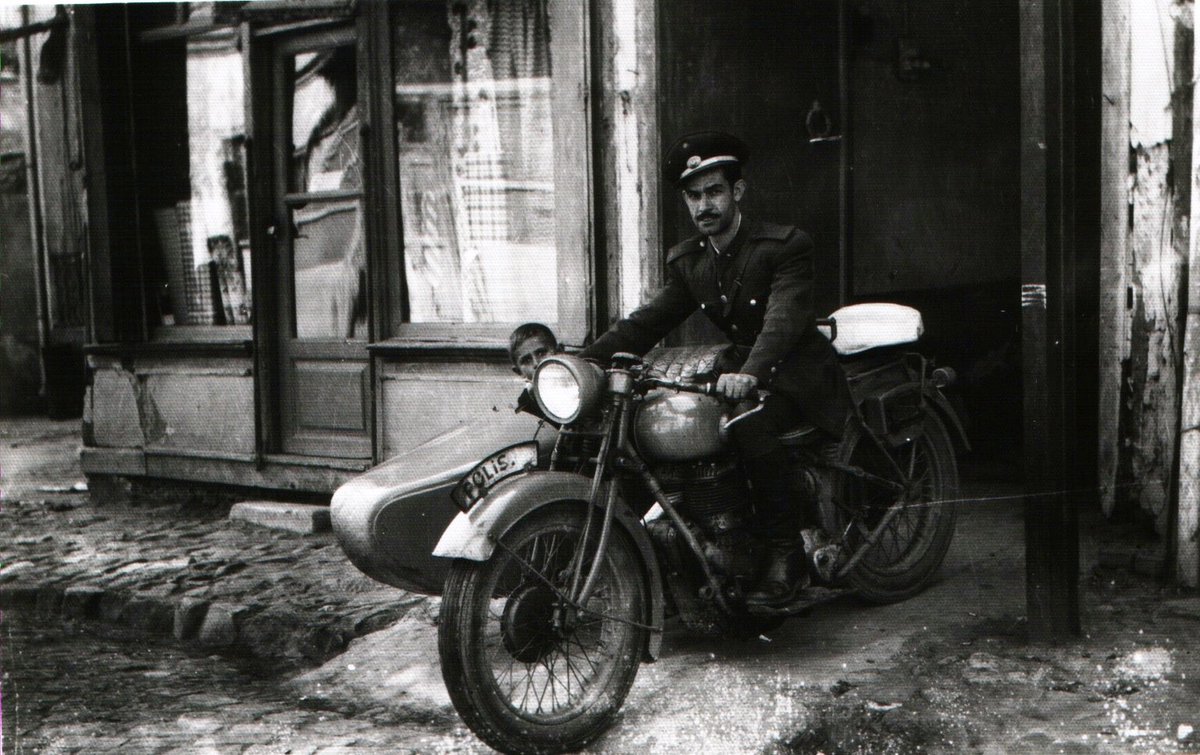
(328, 252)
(475, 140)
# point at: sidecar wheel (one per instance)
(520, 680)
(911, 547)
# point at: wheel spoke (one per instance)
(545, 673)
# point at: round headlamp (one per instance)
(566, 387)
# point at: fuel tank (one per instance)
(672, 426)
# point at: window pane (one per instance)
(330, 271)
(475, 144)
(191, 152)
(328, 252)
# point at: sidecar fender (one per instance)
(472, 535)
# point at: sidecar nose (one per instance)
(388, 519)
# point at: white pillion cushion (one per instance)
(868, 326)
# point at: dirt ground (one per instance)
(950, 670)
(947, 671)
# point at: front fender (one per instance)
(473, 535)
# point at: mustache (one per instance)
(707, 216)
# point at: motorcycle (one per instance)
(567, 557)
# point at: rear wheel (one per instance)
(919, 516)
(525, 671)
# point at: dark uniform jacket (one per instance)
(760, 294)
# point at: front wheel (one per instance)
(915, 523)
(525, 671)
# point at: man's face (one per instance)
(711, 201)
(529, 354)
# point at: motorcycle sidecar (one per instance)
(388, 519)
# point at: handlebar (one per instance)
(705, 389)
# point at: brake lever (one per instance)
(723, 430)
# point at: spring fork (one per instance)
(602, 466)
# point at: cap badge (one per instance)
(693, 161)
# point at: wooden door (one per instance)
(324, 394)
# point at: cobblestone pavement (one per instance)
(70, 690)
(178, 569)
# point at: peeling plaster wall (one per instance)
(1160, 140)
(173, 405)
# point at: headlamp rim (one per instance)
(587, 376)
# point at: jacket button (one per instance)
(733, 328)
(703, 305)
(724, 299)
(774, 370)
(753, 302)
(702, 243)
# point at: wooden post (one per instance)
(629, 151)
(1047, 307)
(1187, 529)
(93, 184)
(1114, 240)
(1156, 264)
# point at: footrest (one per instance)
(808, 598)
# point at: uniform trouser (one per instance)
(780, 509)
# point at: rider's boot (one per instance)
(780, 518)
(783, 579)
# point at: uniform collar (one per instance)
(736, 243)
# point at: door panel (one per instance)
(320, 240)
(330, 396)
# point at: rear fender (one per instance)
(473, 535)
(900, 402)
(949, 417)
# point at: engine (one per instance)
(714, 497)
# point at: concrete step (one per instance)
(302, 518)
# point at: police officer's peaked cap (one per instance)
(694, 153)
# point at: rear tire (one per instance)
(519, 683)
(908, 552)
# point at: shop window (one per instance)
(190, 146)
(474, 128)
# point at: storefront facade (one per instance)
(313, 224)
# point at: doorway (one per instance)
(319, 243)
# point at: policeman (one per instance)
(754, 281)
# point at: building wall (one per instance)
(421, 400)
(173, 405)
(20, 372)
(934, 100)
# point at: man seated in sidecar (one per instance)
(754, 281)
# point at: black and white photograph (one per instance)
(777, 377)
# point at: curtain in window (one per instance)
(476, 144)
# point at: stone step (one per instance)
(302, 518)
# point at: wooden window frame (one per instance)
(574, 244)
(183, 336)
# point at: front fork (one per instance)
(616, 456)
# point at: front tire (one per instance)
(519, 681)
(910, 549)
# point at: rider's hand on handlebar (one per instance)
(736, 386)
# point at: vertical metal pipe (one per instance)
(844, 184)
